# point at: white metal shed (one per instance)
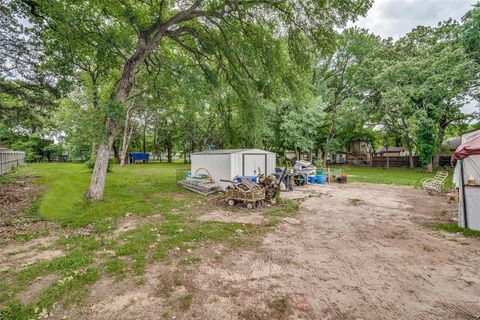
(229, 163)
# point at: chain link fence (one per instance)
(9, 159)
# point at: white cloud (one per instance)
(395, 18)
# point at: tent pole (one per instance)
(463, 196)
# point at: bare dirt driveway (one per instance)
(356, 251)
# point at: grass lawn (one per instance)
(398, 176)
(131, 191)
(136, 189)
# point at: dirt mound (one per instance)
(16, 197)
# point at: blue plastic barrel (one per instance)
(321, 179)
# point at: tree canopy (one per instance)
(173, 77)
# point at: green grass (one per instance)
(454, 228)
(138, 189)
(189, 261)
(186, 301)
(285, 208)
(397, 176)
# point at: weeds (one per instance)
(454, 228)
(185, 301)
(285, 208)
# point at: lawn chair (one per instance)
(435, 184)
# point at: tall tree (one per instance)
(196, 26)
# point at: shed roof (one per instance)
(230, 151)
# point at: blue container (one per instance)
(311, 179)
(321, 179)
(251, 178)
(140, 156)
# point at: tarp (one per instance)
(471, 169)
(140, 156)
(468, 148)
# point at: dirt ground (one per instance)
(356, 251)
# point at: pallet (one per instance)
(199, 188)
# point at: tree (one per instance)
(427, 71)
(334, 77)
(300, 126)
(195, 26)
(471, 32)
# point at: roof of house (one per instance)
(230, 151)
(390, 149)
(470, 131)
(452, 143)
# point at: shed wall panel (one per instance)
(218, 165)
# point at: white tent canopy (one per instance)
(471, 169)
(468, 168)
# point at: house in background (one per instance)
(392, 152)
(338, 158)
(448, 158)
(359, 152)
(469, 135)
(359, 146)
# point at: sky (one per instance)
(395, 18)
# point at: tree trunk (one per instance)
(408, 142)
(145, 135)
(330, 132)
(116, 154)
(124, 140)
(125, 147)
(388, 158)
(122, 92)
(95, 100)
(442, 126)
(169, 148)
(97, 185)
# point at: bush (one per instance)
(91, 163)
(318, 163)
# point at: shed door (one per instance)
(252, 163)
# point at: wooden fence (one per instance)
(394, 162)
(9, 159)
